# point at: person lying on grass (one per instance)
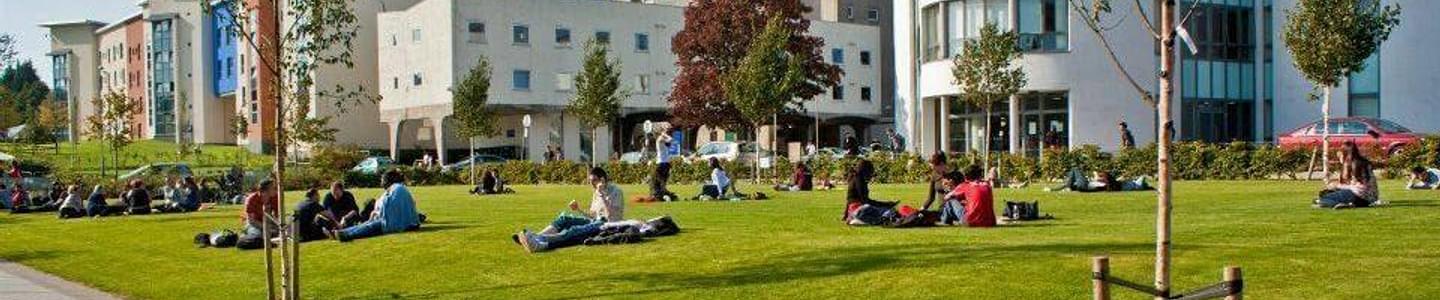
(1356, 186)
(1076, 181)
(800, 180)
(1422, 178)
(394, 212)
(574, 226)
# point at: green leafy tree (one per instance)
(597, 92)
(316, 35)
(765, 82)
(240, 128)
(987, 72)
(7, 49)
(9, 109)
(1329, 40)
(27, 88)
(111, 125)
(472, 113)
(54, 116)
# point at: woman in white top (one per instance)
(73, 205)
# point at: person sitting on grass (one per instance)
(19, 199)
(137, 199)
(309, 224)
(720, 186)
(938, 169)
(72, 206)
(952, 209)
(860, 209)
(1422, 178)
(1356, 186)
(800, 180)
(184, 196)
(95, 205)
(574, 226)
(261, 208)
(394, 212)
(979, 200)
(490, 184)
(340, 208)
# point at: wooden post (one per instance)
(1100, 266)
(1237, 283)
(1310, 170)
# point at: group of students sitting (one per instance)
(603, 222)
(336, 216)
(967, 199)
(179, 196)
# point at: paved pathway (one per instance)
(19, 282)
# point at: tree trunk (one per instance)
(594, 133)
(1325, 133)
(1162, 216)
(986, 156)
(472, 161)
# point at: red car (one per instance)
(1373, 135)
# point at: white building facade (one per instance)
(535, 49)
(1239, 86)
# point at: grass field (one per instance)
(792, 247)
(85, 157)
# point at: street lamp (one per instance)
(525, 121)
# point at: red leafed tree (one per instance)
(716, 36)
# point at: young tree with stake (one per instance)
(597, 92)
(112, 124)
(472, 113)
(987, 73)
(1329, 40)
(764, 83)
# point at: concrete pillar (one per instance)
(437, 125)
(942, 113)
(1015, 124)
(393, 130)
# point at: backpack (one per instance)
(615, 236)
(219, 239)
(662, 226)
(1022, 211)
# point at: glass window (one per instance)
(642, 84)
(995, 13)
(1044, 24)
(954, 28)
(520, 34)
(476, 31)
(837, 56)
(974, 17)
(520, 80)
(1365, 89)
(865, 58)
(415, 35)
(1390, 127)
(865, 93)
(642, 42)
(562, 36)
(602, 37)
(416, 79)
(930, 35)
(837, 93)
(564, 82)
(873, 15)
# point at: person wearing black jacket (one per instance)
(137, 199)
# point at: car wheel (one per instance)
(1396, 150)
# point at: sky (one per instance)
(20, 18)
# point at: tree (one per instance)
(53, 115)
(764, 83)
(597, 92)
(29, 91)
(111, 125)
(7, 49)
(986, 72)
(1093, 15)
(472, 113)
(1329, 40)
(9, 109)
(240, 128)
(716, 37)
(316, 34)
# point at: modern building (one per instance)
(873, 13)
(74, 52)
(535, 48)
(1237, 86)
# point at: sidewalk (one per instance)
(20, 282)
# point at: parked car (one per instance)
(636, 157)
(1370, 134)
(477, 159)
(373, 165)
(179, 170)
(731, 151)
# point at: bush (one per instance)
(1424, 154)
(337, 158)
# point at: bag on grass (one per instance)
(662, 226)
(1022, 211)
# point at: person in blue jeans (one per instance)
(394, 212)
(574, 226)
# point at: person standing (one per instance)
(1127, 140)
(897, 142)
(660, 181)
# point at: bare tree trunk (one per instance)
(1162, 217)
(269, 261)
(986, 157)
(1325, 134)
(471, 162)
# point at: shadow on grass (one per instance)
(778, 268)
(23, 256)
(1411, 203)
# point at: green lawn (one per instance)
(786, 248)
(86, 157)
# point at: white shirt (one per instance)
(720, 179)
(608, 203)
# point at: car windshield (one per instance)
(1390, 127)
(713, 148)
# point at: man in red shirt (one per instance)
(971, 200)
(259, 203)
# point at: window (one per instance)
(602, 37)
(865, 58)
(520, 80)
(564, 82)
(520, 34)
(837, 55)
(395, 83)
(873, 15)
(837, 93)
(562, 36)
(415, 35)
(477, 32)
(394, 40)
(850, 12)
(642, 84)
(1365, 89)
(929, 34)
(642, 42)
(1044, 24)
(417, 79)
(865, 93)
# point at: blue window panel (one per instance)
(1189, 78)
(520, 80)
(1202, 79)
(837, 55)
(224, 50)
(1247, 81)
